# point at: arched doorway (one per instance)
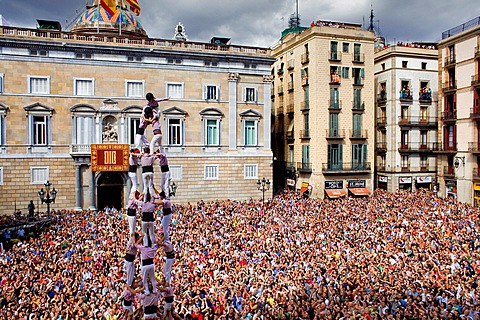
(110, 190)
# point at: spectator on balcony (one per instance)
(335, 77)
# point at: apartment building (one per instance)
(63, 92)
(406, 116)
(459, 110)
(323, 97)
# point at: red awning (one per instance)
(360, 191)
(335, 193)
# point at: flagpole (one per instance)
(98, 16)
(120, 2)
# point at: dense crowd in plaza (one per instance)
(389, 256)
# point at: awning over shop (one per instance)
(360, 191)
(335, 193)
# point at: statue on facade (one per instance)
(109, 134)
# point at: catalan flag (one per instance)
(134, 6)
(109, 5)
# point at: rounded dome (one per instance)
(98, 19)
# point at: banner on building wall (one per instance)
(405, 180)
(426, 179)
(109, 157)
(290, 182)
(383, 179)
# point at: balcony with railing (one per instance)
(475, 113)
(381, 122)
(382, 99)
(417, 147)
(425, 97)
(290, 136)
(449, 148)
(280, 90)
(305, 105)
(346, 168)
(291, 64)
(449, 61)
(358, 134)
(358, 105)
(290, 86)
(290, 108)
(358, 81)
(449, 116)
(406, 96)
(474, 147)
(304, 167)
(449, 86)
(380, 168)
(448, 171)
(280, 110)
(475, 80)
(335, 55)
(358, 58)
(381, 147)
(335, 133)
(476, 51)
(418, 121)
(334, 104)
(305, 58)
(304, 134)
(80, 150)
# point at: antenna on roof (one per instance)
(371, 27)
(294, 21)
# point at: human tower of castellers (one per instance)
(147, 242)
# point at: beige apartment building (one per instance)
(406, 82)
(62, 92)
(323, 96)
(459, 110)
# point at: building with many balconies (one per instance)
(323, 97)
(459, 110)
(406, 116)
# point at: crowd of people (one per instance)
(406, 255)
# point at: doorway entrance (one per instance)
(110, 190)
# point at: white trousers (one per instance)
(140, 140)
(167, 270)
(156, 139)
(130, 271)
(150, 228)
(134, 180)
(165, 183)
(166, 220)
(148, 271)
(147, 178)
(132, 221)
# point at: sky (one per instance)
(260, 22)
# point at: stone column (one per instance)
(92, 192)
(232, 110)
(78, 187)
(267, 111)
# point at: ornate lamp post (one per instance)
(173, 189)
(263, 185)
(48, 196)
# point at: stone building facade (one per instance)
(61, 92)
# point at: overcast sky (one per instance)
(260, 22)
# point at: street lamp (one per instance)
(263, 185)
(173, 189)
(47, 196)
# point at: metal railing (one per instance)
(346, 166)
(304, 166)
(417, 121)
(304, 134)
(464, 26)
(359, 57)
(335, 55)
(305, 58)
(335, 104)
(359, 134)
(418, 147)
(305, 105)
(335, 133)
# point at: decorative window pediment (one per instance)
(175, 111)
(133, 109)
(211, 112)
(39, 108)
(82, 107)
(250, 113)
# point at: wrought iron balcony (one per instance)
(280, 90)
(358, 57)
(305, 105)
(475, 113)
(417, 147)
(476, 80)
(425, 97)
(381, 147)
(335, 134)
(449, 61)
(304, 134)
(290, 135)
(449, 115)
(334, 104)
(335, 55)
(474, 147)
(445, 147)
(358, 134)
(405, 97)
(449, 86)
(290, 108)
(381, 122)
(359, 105)
(290, 86)
(416, 121)
(305, 58)
(304, 167)
(382, 99)
(353, 167)
(448, 171)
(280, 110)
(291, 64)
